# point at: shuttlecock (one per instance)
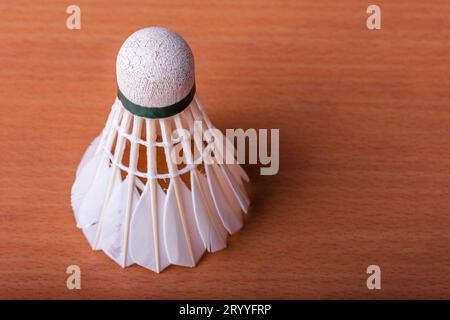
(130, 197)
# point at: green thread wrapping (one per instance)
(156, 113)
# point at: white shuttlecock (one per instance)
(132, 200)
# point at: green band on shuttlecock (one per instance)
(156, 113)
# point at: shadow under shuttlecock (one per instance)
(266, 191)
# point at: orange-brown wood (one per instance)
(364, 121)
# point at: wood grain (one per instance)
(364, 125)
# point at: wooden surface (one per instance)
(364, 121)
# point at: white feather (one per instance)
(143, 232)
(89, 233)
(111, 236)
(83, 182)
(237, 187)
(234, 174)
(89, 153)
(224, 200)
(211, 229)
(92, 204)
(236, 170)
(178, 244)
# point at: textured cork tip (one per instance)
(155, 68)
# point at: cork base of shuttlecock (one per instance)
(155, 68)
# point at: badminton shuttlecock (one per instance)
(131, 197)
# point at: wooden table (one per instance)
(364, 121)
